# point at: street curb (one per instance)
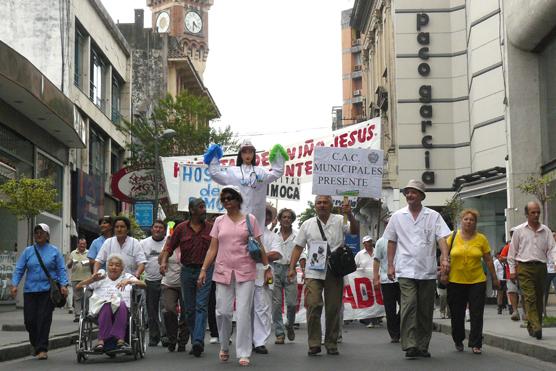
(538, 351)
(24, 349)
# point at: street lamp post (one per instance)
(166, 134)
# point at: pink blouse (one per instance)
(233, 257)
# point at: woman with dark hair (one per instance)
(124, 245)
(234, 273)
(251, 179)
(37, 305)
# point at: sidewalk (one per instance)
(501, 332)
(15, 344)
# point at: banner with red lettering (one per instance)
(359, 298)
(365, 134)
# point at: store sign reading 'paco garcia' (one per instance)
(425, 95)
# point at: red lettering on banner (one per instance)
(363, 302)
(309, 167)
(308, 148)
(176, 169)
(352, 136)
(291, 152)
(348, 297)
(371, 129)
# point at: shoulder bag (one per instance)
(443, 277)
(56, 296)
(341, 261)
(253, 246)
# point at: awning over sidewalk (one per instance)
(26, 89)
(481, 182)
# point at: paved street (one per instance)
(363, 348)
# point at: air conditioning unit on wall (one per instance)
(356, 93)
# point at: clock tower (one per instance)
(186, 22)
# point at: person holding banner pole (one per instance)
(283, 288)
(251, 180)
(412, 235)
(321, 233)
(390, 289)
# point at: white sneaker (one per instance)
(213, 340)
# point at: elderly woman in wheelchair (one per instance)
(111, 301)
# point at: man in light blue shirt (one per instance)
(390, 289)
(105, 224)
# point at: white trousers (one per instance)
(262, 315)
(242, 292)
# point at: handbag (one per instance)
(56, 296)
(253, 246)
(443, 277)
(341, 261)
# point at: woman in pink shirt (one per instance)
(234, 273)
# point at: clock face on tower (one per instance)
(193, 22)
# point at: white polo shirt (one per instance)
(131, 252)
(334, 230)
(416, 242)
(287, 248)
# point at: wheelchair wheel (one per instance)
(141, 332)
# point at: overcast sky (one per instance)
(274, 67)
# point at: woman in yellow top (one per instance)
(467, 280)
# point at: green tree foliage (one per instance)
(26, 198)
(189, 116)
(538, 186)
(452, 208)
(308, 213)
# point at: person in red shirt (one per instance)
(512, 287)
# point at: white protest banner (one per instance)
(347, 172)
(285, 188)
(360, 299)
(195, 182)
(365, 134)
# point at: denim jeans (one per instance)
(196, 301)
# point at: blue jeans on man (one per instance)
(196, 304)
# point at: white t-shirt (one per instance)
(499, 268)
(131, 252)
(363, 260)
(416, 242)
(172, 278)
(152, 249)
(106, 288)
(271, 242)
(334, 230)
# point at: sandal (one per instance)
(459, 347)
(476, 350)
(244, 361)
(99, 348)
(224, 356)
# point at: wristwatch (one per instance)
(266, 267)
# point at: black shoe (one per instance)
(459, 347)
(412, 353)
(290, 333)
(76, 319)
(313, 351)
(499, 309)
(164, 341)
(538, 334)
(153, 343)
(261, 350)
(424, 354)
(171, 347)
(332, 352)
(197, 349)
(181, 348)
(395, 340)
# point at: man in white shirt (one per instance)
(364, 258)
(152, 247)
(390, 289)
(412, 235)
(317, 277)
(282, 286)
(532, 243)
(262, 298)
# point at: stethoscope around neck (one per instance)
(251, 180)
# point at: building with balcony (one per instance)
(77, 46)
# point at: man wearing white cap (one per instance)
(364, 258)
(251, 179)
(412, 234)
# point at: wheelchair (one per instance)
(88, 330)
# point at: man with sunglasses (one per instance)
(193, 239)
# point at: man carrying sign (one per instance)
(412, 234)
(317, 278)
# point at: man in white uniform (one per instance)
(262, 298)
(412, 235)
